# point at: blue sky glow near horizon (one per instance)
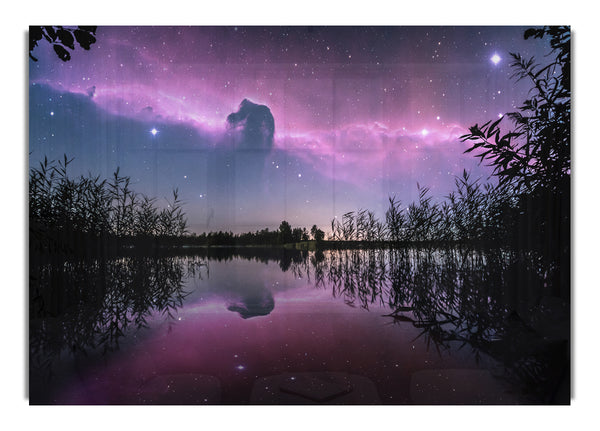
(360, 113)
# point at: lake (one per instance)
(259, 326)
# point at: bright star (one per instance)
(154, 132)
(424, 132)
(495, 59)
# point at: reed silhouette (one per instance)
(529, 207)
(83, 306)
(496, 301)
(533, 160)
(471, 213)
(88, 216)
(486, 268)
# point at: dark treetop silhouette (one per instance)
(61, 38)
(533, 161)
(487, 268)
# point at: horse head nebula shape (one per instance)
(254, 304)
(257, 125)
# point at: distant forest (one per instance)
(284, 235)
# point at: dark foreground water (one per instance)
(413, 326)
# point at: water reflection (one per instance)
(255, 304)
(496, 302)
(82, 306)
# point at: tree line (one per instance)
(529, 207)
(285, 234)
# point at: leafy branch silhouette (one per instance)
(536, 154)
(61, 38)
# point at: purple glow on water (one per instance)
(210, 354)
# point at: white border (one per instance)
(16, 19)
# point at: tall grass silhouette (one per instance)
(72, 214)
(471, 212)
(490, 300)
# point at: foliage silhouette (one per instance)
(493, 300)
(317, 234)
(537, 153)
(534, 160)
(83, 215)
(89, 305)
(470, 213)
(529, 208)
(61, 38)
(285, 233)
(266, 238)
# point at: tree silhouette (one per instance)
(533, 161)
(285, 232)
(304, 234)
(536, 154)
(317, 234)
(61, 38)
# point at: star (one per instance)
(329, 130)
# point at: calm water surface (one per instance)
(356, 327)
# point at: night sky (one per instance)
(360, 114)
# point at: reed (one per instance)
(472, 212)
(89, 305)
(66, 213)
(481, 298)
